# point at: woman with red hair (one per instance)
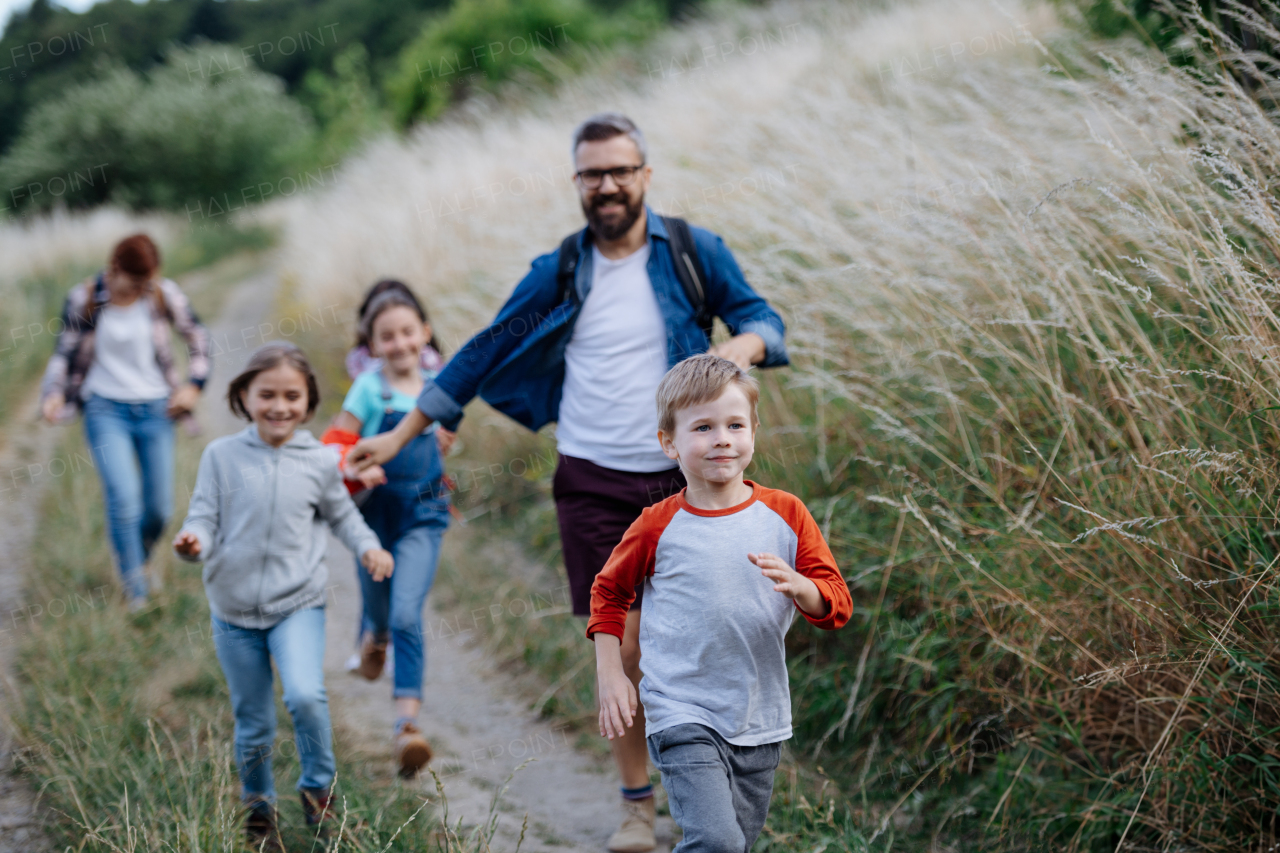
(114, 360)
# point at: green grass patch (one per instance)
(202, 247)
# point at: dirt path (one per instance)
(479, 724)
(480, 728)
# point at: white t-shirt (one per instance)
(124, 356)
(613, 364)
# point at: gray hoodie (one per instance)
(260, 514)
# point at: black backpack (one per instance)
(684, 255)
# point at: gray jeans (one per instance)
(718, 792)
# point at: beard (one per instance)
(612, 229)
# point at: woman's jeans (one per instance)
(395, 605)
(297, 645)
(132, 448)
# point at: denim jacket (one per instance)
(516, 364)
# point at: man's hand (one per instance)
(183, 400)
(381, 449)
(380, 563)
(743, 350)
(445, 439)
(792, 584)
(616, 693)
(51, 408)
(371, 451)
(369, 477)
(186, 544)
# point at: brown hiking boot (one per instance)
(260, 828)
(412, 750)
(373, 657)
(317, 805)
(636, 833)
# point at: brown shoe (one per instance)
(260, 828)
(317, 805)
(636, 833)
(412, 750)
(373, 657)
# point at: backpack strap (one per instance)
(684, 255)
(96, 298)
(567, 266)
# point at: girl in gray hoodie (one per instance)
(257, 519)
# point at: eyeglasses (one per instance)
(623, 176)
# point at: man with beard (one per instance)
(585, 340)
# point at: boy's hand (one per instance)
(380, 563)
(617, 695)
(186, 544)
(792, 584)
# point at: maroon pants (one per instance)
(595, 506)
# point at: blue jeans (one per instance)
(132, 447)
(296, 644)
(395, 604)
(718, 792)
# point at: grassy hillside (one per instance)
(1028, 283)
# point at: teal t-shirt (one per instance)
(364, 400)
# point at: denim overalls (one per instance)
(409, 513)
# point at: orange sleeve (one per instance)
(342, 441)
(629, 564)
(813, 559)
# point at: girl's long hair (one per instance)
(364, 320)
(267, 357)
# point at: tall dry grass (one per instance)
(38, 246)
(1031, 307)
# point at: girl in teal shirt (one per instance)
(407, 507)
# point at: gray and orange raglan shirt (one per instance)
(712, 626)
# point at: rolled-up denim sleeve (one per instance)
(442, 399)
(734, 301)
(437, 405)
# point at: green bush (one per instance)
(480, 43)
(1172, 25)
(190, 131)
(345, 102)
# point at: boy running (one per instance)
(720, 591)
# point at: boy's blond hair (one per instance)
(701, 379)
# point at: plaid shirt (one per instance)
(73, 355)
